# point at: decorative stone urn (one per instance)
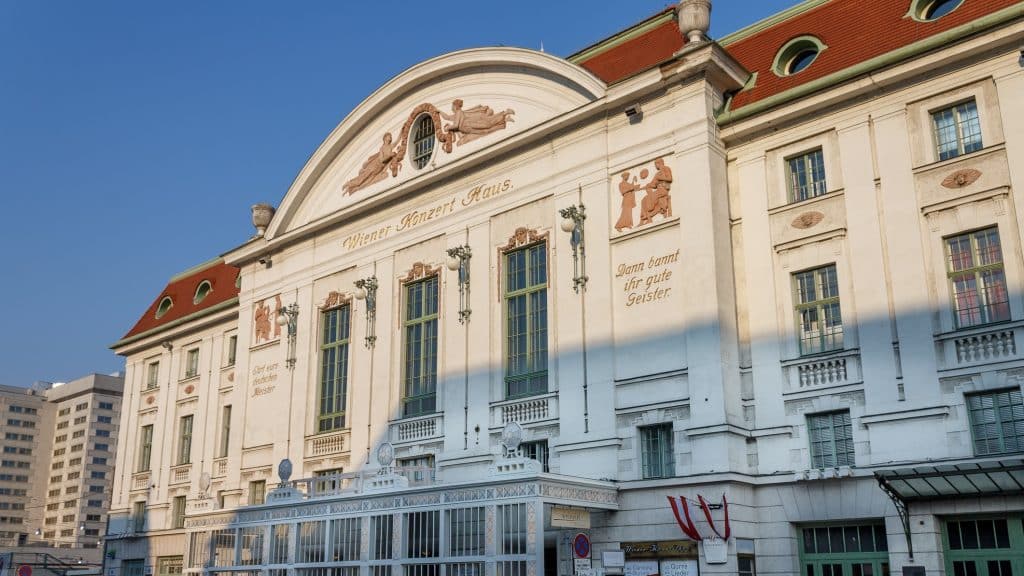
(694, 19)
(261, 215)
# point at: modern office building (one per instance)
(735, 305)
(59, 442)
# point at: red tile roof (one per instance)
(182, 290)
(637, 54)
(854, 31)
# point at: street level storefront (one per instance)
(344, 523)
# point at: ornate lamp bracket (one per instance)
(289, 317)
(458, 261)
(572, 222)
(366, 289)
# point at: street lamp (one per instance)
(366, 289)
(572, 222)
(458, 260)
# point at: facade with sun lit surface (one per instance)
(739, 305)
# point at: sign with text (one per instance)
(660, 549)
(564, 517)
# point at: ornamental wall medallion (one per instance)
(656, 202)
(961, 178)
(463, 126)
(807, 220)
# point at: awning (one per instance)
(986, 478)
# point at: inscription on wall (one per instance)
(263, 378)
(646, 282)
(648, 304)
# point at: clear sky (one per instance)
(134, 136)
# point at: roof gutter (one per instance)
(175, 323)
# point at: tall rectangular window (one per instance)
(957, 130)
(152, 375)
(232, 349)
(178, 512)
(420, 393)
(997, 421)
(526, 321)
(139, 515)
(806, 175)
(819, 320)
(145, 448)
(185, 439)
(977, 282)
(192, 363)
(831, 437)
(657, 451)
(257, 492)
(334, 341)
(225, 431)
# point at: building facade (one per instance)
(738, 305)
(59, 446)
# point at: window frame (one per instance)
(531, 339)
(812, 160)
(426, 381)
(665, 452)
(225, 431)
(342, 345)
(178, 512)
(1015, 399)
(827, 341)
(420, 153)
(152, 375)
(978, 271)
(145, 449)
(191, 362)
(184, 452)
(958, 124)
(257, 492)
(850, 456)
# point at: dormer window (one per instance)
(164, 306)
(202, 290)
(931, 10)
(797, 55)
(423, 141)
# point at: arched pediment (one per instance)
(471, 99)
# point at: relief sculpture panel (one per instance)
(655, 202)
(460, 127)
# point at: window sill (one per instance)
(936, 164)
(979, 329)
(806, 203)
(819, 356)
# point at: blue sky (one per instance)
(134, 136)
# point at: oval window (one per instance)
(164, 306)
(422, 141)
(931, 10)
(797, 55)
(202, 290)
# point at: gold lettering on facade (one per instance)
(414, 218)
(264, 379)
(645, 282)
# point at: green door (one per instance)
(844, 550)
(984, 546)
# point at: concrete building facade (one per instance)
(722, 306)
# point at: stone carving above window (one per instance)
(463, 126)
(419, 271)
(523, 237)
(807, 220)
(334, 299)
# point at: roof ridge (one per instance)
(770, 21)
(621, 36)
(197, 268)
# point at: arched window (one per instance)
(423, 141)
(931, 10)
